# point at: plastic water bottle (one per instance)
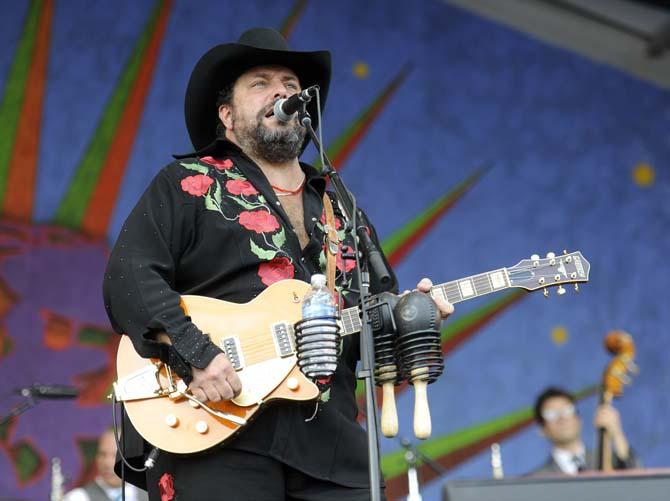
(318, 339)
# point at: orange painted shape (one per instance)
(58, 330)
(102, 202)
(8, 298)
(19, 196)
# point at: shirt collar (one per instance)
(565, 459)
(222, 147)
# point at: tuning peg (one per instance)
(576, 287)
(535, 257)
(545, 292)
(632, 367)
(551, 255)
(560, 290)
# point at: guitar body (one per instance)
(265, 375)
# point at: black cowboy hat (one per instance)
(224, 63)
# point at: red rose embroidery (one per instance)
(345, 264)
(259, 221)
(239, 187)
(218, 164)
(280, 268)
(338, 223)
(166, 487)
(196, 185)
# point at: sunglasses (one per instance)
(552, 415)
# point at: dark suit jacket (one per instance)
(552, 467)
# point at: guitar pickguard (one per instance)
(260, 379)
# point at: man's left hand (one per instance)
(445, 307)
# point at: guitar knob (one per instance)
(171, 420)
(292, 384)
(551, 255)
(535, 257)
(560, 290)
(201, 427)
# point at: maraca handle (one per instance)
(389, 412)
(422, 423)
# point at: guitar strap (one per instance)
(332, 242)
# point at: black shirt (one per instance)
(211, 225)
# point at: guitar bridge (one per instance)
(139, 385)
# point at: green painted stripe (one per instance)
(400, 236)
(74, 203)
(12, 100)
(394, 464)
(345, 137)
(292, 18)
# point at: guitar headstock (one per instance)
(540, 273)
(616, 375)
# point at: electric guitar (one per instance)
(257, 338)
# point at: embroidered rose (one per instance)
(196, 185)
(259, 221)
(338, 223)
(166, 487)
(345, 264)
(280, 268)
(240, 187)
(218, 164)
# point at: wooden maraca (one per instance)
(387, 374)
(418, 325)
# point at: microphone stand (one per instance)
(413, 456)
(374, 260)
(18, 409)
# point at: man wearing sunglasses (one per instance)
(557, 417)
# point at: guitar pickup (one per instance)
(233, 350)
(282, 333)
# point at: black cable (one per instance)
(118, 444)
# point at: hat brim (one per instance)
(224, 63)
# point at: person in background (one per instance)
(557, 417)
(107, 485)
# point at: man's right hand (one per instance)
(218, 381)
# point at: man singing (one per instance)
(226, 222)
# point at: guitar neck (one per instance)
(454, 292)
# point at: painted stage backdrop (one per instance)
(471, 146)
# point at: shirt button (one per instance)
(313, 219)
(302, 259)
(277, 202)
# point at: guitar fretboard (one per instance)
(454, 292)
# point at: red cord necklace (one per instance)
(281, 192)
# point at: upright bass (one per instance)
(616, 375)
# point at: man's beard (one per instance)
(275, 146)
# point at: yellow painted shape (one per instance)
(361, 70)
(559, 335)
(643, 175)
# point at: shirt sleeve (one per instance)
(139, 284)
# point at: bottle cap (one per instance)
(318, 280)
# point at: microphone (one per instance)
(49, 391)
(284, 109)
